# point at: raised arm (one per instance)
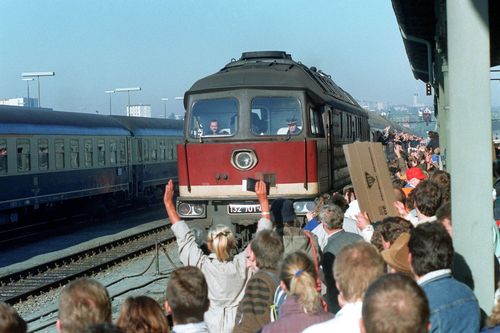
(168, 200)
(261, 191)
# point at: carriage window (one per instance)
(101, 152)
(59, 149)
(121, 152)
(146, 150)
(112, 151)
(3, 157)
(74, 148)
(139, 150)
(316, 123)
(87, 145)
(43, 154)
(276, 116)
(153, 149)
(23, 155)
(213, 117)
(162, 150)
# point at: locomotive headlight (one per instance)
(184, 209)
(244, 159)
(191, 210)
(302, 207)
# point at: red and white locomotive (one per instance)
(264, 116)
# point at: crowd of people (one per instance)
(340, 272)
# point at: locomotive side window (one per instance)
(74, 149)
(23, 155)
(101, 152)
(336, 124)
(214, 117)
(113, 151)
(59, 150)
(316, 123)
(87, 146)
(121, 152)
(275, 115)
(3, 157)
(43, 154)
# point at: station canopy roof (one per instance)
(418, 18)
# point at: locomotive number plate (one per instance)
(243, 209)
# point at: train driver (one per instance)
(293, 129)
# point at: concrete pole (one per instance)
(469, 141)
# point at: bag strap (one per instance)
(316, 266)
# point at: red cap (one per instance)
(415, 172)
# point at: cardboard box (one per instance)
(370, 179)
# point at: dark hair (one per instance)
(340, 201)
(443, 180)
(431, 248)
(427, 197)
(103, 328)
(444, 212)
(267, 248)
(187, 295)
(393, 226)
(10, 320)
(395, 303)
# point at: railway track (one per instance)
(41, 278)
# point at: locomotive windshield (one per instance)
(269, 115)
(214, 117)
(276, 116)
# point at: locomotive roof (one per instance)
(32, 121)
(141, 126)
(273, 70)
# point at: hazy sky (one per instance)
(165, 46)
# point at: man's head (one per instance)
(356, 266)
(394, 303)
(10, 320)
(214, 126)
(292, 125)
(427, 198)
(82, 303)
(187, 295)
(332, 217)
(391, 227)
(267, 248)
(430, 248)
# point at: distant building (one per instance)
(139, 110)
(21, 101)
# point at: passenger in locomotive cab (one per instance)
(214, 127)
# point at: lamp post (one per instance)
(109, 92)
(165, 99)
(128, 90)
(28, 79)
(37, 75)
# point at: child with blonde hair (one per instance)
(303, 306)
